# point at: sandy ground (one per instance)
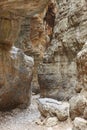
(25, 119)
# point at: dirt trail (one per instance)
(25, 119)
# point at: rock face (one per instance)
(22, 7)
(82, 67)
(57, 75)
(10, 25)
(15, 79)
(82, 74)
(50, 107)
(15, 67)
(85, 113)
(35, 36)
(78, 105)
(80, 124)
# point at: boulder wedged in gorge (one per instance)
(15, 79)
(57, 75)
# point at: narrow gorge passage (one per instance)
(43, 64)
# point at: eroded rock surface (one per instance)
(22, 7)
(57, 75)
(15, 79)
(82, 74)
(35, 36)
(15, 66)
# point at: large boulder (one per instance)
(49, 107)
(77, 106)
(15, 79)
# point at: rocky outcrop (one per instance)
(50, 108)
(57, 75)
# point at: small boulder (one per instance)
(51, 121)
(49, 108)
(77, 106)
(85, 113)
(80, 124)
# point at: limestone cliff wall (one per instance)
(35, 36)
(58, 73)
(53, 37)
(15, 67)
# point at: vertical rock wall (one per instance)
(35, 36)
(57, 75)
(82, 70)
(15, 67)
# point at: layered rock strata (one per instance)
(35, 36)
(57, 75)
